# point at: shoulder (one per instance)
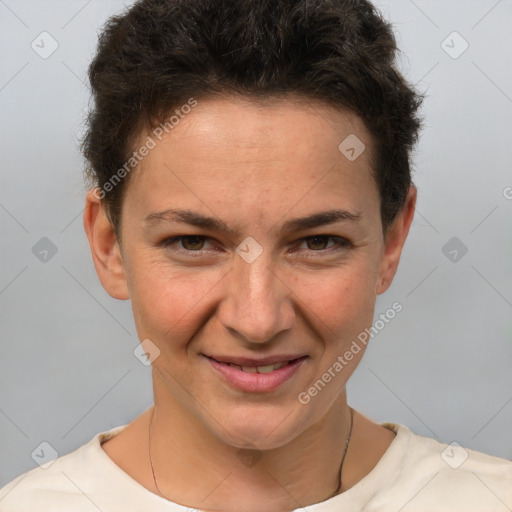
(447, 476)
(62, 484)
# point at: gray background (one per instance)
(441, 367)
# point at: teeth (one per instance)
(265, 369)
(259, 369)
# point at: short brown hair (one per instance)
(158, 54)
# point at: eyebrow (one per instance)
(196, 219)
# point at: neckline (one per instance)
(359, 494)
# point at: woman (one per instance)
(251, 196)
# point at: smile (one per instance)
(252, 377)
(258, 369)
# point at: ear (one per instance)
(394, 242)
(105, 249)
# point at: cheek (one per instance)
(170, 304)
(342, 299)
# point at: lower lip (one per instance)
(257, 382)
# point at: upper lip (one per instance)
(250, 361)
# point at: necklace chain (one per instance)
(347, 442)
(337, 490)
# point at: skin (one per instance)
(254, 168)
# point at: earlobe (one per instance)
(395, 240)
(105, 250)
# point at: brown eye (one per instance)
(185, 244)
(317, 246)
(317, 242)
(192, 243)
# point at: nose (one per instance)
(258, 304)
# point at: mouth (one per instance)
(266, 365)
(255, 375)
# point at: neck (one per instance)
(193, 467)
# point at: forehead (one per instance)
(235, 154)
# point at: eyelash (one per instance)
(342, 244)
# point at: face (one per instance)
(249, 238)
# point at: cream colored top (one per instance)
(415, 474)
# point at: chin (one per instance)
(258, 429)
